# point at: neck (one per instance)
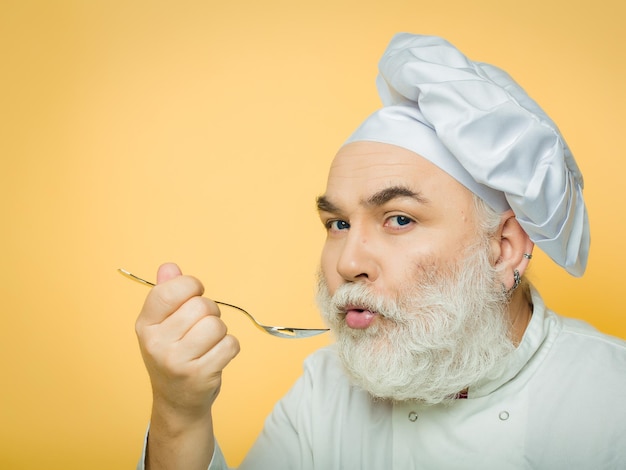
(520, 312)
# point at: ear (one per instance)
(512, 249)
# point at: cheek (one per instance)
(328, 267)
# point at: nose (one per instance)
(357, 258)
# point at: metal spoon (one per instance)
(280, 331)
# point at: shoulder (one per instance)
(577, 397)
(582, 339)
(589, 364)
(326, 356)
(324, 366)
(568, 339)
(327, 379)
(574, 363)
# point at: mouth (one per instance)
(359, 318)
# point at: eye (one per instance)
(398, 221)
(337, 225)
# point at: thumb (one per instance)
(168, 271)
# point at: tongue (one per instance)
(359, 319)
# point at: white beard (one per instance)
(445, 331)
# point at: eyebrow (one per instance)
(377, 199)
(324, 205)
(393, 192)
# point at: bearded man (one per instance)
(445, 356)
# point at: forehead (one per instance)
(362, 168)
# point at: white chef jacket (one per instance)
(560, 404)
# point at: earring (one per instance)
(528, 256)
(517, 279)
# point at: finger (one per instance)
(167, 271)
(205, 334)
(178, 324)
(164, 299)
(220, 355)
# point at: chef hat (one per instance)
(474, 122)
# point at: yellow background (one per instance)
(133, 133)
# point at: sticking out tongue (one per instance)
(359, 319)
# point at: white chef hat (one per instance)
(474, 122)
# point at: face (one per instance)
(386, 211)
(407, 281)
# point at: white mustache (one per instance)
(360, 297)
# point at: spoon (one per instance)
(279, 331)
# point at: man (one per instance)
(445, 356)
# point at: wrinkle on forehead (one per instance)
(383, 165)
(369, 173)
(362, 156)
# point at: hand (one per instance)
(185, 347)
